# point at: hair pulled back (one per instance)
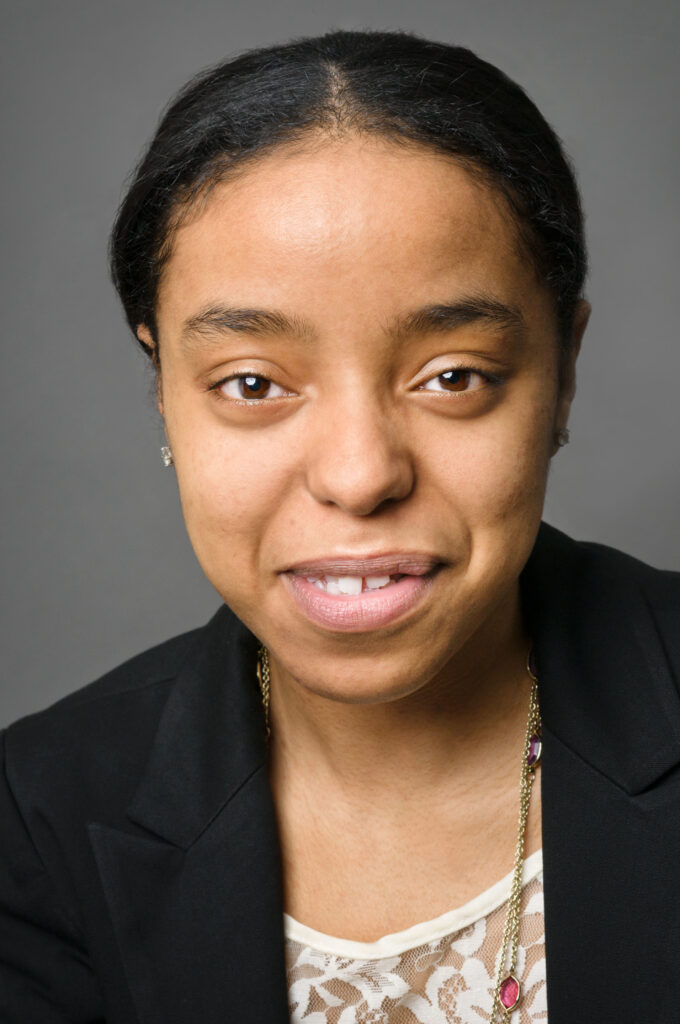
(393, 84)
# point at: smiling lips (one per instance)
(355, 595)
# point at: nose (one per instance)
(358, 457)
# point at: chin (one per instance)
(361, 683)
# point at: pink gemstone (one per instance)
(535, 749)
(510, 992)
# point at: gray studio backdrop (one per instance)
(95, 562)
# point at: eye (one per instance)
(459, 380)
(249, 387)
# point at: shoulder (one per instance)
(589, 595)
(642, 593)
(99, 734)
(597, 564)
(605, 628)
(131, 682)
(594, 606)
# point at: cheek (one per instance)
(230, 489)
(494, 488)
(497, 469)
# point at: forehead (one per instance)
(361, 215)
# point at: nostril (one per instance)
(363, 482)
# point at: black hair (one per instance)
(393, 84)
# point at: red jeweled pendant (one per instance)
(535, 750)
(509, 992)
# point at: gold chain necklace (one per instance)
(508, 990)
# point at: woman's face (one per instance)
(359, 382)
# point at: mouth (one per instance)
(360, 594)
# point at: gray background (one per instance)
(95, 562)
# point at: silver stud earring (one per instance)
(166, 456)
(562, 437)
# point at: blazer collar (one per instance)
(605, 686)
(210, 739)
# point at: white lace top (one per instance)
(439, 972)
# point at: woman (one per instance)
(357, 264)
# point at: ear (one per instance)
(581, 318)
(147, 339)
(568, 374)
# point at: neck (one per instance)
(472, 711)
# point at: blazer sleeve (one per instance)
(45, 974)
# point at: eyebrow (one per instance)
(440, 317)
(451, 315)
(219, 320)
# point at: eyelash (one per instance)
(491, 379)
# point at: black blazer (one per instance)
(139, 861)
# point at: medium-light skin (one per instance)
(395, 751)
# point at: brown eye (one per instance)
(457, 380)
(250, 387)
(253, 387)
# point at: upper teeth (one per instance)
(349, 584)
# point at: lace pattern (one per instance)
(445, 979)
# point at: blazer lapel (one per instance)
(196, 897)
(609, 707)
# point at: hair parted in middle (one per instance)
(392, 84)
